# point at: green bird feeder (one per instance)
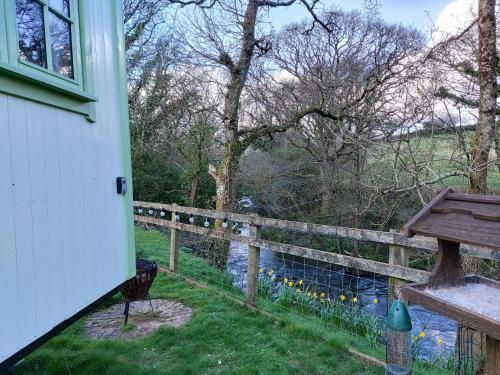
(398, 318)
(399, 358)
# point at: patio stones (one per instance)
(108, 324)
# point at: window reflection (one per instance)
(61, 5)
(30, 29)
(60, 40)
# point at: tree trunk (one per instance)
(194, 188)
(481, 144)
(327, 181)
(485, 130)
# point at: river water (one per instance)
(440, 332)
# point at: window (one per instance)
(46, 55)
(44, 29)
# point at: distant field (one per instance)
(443, 155)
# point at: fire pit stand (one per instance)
(137, 288)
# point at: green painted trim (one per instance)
(11, 84)
(4, 53)
(85, 56)
(121, 76)
(32, 82)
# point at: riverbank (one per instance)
(221, 338)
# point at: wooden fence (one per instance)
(399, 245)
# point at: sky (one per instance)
(407, 12)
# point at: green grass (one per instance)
(221, 338)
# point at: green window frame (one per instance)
(22, 78)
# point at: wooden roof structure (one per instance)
(463, 218)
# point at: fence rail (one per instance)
(397, 268)
(389, 238)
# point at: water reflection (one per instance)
(30, 30)
(60, 40)
(61, 6)
(440, 331)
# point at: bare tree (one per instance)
(226, 37)
(485, 130)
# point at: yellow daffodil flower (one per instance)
(355, 300)
(290, 283)
(342, 297)
(300, 282)
(315, 295)
(322, 295)
(270, 273)
(375, 301)
(261, 270)
(309, 294)
(421, 334)
(440, 341)
(285, 280)
(322, 300)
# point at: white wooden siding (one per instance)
(63, 241)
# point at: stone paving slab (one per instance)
(108, 324)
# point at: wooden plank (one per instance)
(380, 268)
(474, 198)
(480, 211)
(196, 211)
(253, 267)
(10, 327)
(447, 270)
(416, 294)
(174, 246)
(459, 227)
(365, 358)
(385, 269)
(399, 256)
(27, 285)
(417, 242)
(424, 212)
(492, 355)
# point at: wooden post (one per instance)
(398, 256)
(174, 245)
(493, 356)
(253, 267)
(397, 342)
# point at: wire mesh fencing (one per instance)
(338, 298)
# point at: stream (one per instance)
(440, 332)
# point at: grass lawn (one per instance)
(221, 338)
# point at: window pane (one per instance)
(30, 30)
(61, 5)
(60, 39)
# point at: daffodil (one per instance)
(300, 282)
(315, 295)
(285, 280)
(355, 300)
(322, 300)
(375, 301)
(270, 273)
(342, 297)
(421, 334)
(440, 341)
(261, 270)
(309, 294)
(290, 283)
(322, 295)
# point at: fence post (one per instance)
(174, 245)
(397, 342)
(253, 266)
